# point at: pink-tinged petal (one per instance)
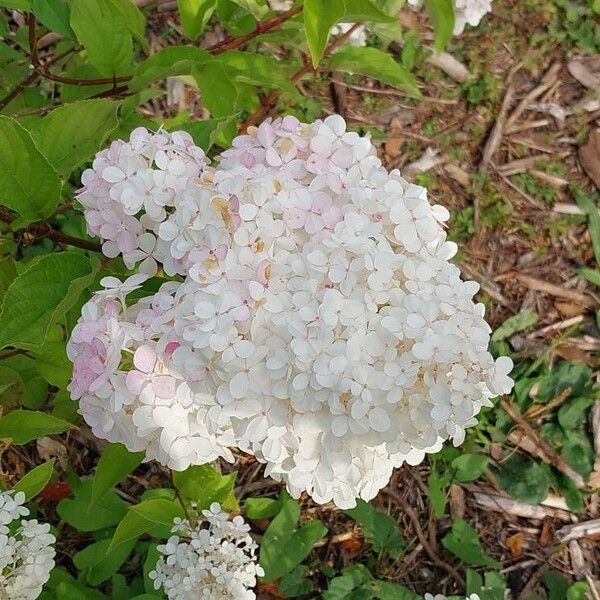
(343, 157)
(136, 381)
(144, 358)
(164, 386)
(321, 145)
(171, 347)
(113, 174)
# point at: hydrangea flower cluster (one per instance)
(319, 326)
(215, 559)
(26, 552)
(466, 12)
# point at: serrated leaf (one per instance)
(257, 8)
(321, 15)
(219, 92)
(22, 426)
(524, 479)
(107, 512)
(441, 13)
(101, 29)
(40, 296)
(284, 546)
(17, 4)
(168, 62)
(69, 135)
(469, 466)
(115, 463)
(154, 516)
(28, 183)
(55, 15)
(133, 18)
(520, 322)
(463, 542)
(33, 482)
(209, 132)
(379, 529)
(97, 564)
(203, 485)
(374, 63)
(195, 15)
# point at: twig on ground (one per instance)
(546, 452)
(552, 289)
(412, 515)
(578, 530)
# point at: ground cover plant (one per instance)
(246, 252)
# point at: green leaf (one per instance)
(154, 516)
(133, 17)
(257, 8)
(115, 463)
(262, 508)
(17, 4)
(379, 529)
(203, 485)
(69, 135)
(469, 466)
(296, 583)
(40, 296)
(55, 15)
(574, 413)
(53, 364)
(524, 479)
(97, 564)
(78, 513)
(22, 426)
(463, 542)
(35, 481)
(520, 322)
(28, 183)
(437, 493)
(284, 546)
(591, 209)
(168, 62)
(100, 27)
(195, 15)
(8, 273)
(209, 132)
(12, 388)
(321, 15)
(591, 275)
(219, 92)
(373, 63)
(578, 591)
(556, 585)
(491, 587)
(441, 13)
(341, 588)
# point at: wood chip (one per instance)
(552, 289)
(578, 564)
(578, 530)
(459, 175)
(504, 504)
(594, 480)
(585, 72)
(450, 65)
(589, 156)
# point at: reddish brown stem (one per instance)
(271, 99)
(42, 229)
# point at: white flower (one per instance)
(320, 326)
(26, 552)
(216, 562)
(465, 12)
(442, 597)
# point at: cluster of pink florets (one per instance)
(317, 324)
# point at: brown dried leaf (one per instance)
(515, 544)
(589, 155)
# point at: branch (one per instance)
(271, 99)
(42, 229)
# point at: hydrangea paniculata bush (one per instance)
(26, 551)
(318, 325)
(214, 559)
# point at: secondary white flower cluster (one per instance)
(26, 552)
(216, 559)
(466, 12)
(320, 325)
